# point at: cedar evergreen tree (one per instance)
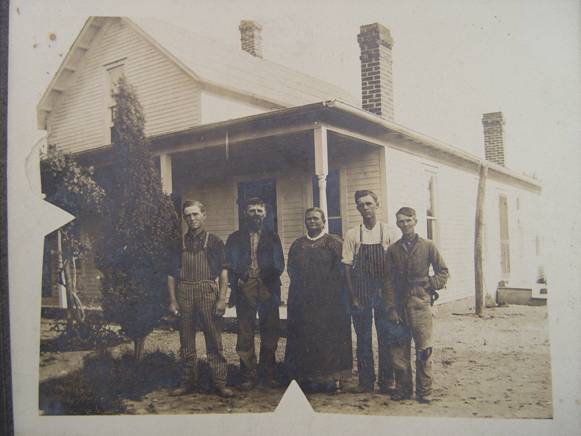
(142, 228)
(71, 187)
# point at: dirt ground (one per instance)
(497, 366)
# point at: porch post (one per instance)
(321, 165)
(165, 166)
(62, 291)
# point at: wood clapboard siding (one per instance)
(455, 213)
(407, 177)
(219, 198)
(292, 203)
(523, 229)
(360, 169)
(456, 191)
(170, 98)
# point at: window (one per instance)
(334, 222)
(49, 265)
(431, 215)
(504, 236)
(114, 73)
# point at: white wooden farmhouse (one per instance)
(227, 124)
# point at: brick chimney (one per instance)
(376, 42)
(493, 124)
(250, 37)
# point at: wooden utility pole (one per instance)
(478, 236)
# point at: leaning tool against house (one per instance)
(409, 292)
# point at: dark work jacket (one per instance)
(406, 271)
(270, 261)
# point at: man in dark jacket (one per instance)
(408, 292)
(255, 263)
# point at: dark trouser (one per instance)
(198, 301)
(255, 297)
(418, 318)
(362, 322)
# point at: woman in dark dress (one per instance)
(318, 351)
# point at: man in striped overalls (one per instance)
(199, 300)
(364, 258)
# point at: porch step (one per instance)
(518, 296)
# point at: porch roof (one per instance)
(339, 118)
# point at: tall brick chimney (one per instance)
(376, 42)
(493, 124)
(250, 37)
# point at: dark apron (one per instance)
(368, 269)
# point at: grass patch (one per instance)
(100, 387)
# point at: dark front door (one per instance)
(264, 189)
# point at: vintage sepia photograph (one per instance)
(253, 200)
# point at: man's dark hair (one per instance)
(318, 210)
(364, 193)
(190, 203)
(407, 211)
(255, 201)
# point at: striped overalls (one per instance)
(368, 273)
(196, 296)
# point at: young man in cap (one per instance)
(409, 292)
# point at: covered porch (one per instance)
(292, 159)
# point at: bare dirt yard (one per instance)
(496, 366)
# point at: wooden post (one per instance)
(478, 236)
(62, 291)
(321, 165)
(165, 166)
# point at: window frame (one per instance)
(431, 204)
(110, 90)
(504, 228)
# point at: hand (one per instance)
(220, 307)
(355, 304)
(393, 316)
(174, 308)
(418, 291)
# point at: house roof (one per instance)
(346, 119)
(211, 62)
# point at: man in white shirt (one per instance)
(364, 251)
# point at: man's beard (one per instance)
(255, 222)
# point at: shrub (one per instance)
(142, 233)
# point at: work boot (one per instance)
(362, 389)
(388, 387)
(184, 388)
(329, 386)
(248, 384)
(269, 383)
(424, 399)
(224, 392)
(400, 395)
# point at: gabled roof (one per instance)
(345, 119)
(214, 64)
